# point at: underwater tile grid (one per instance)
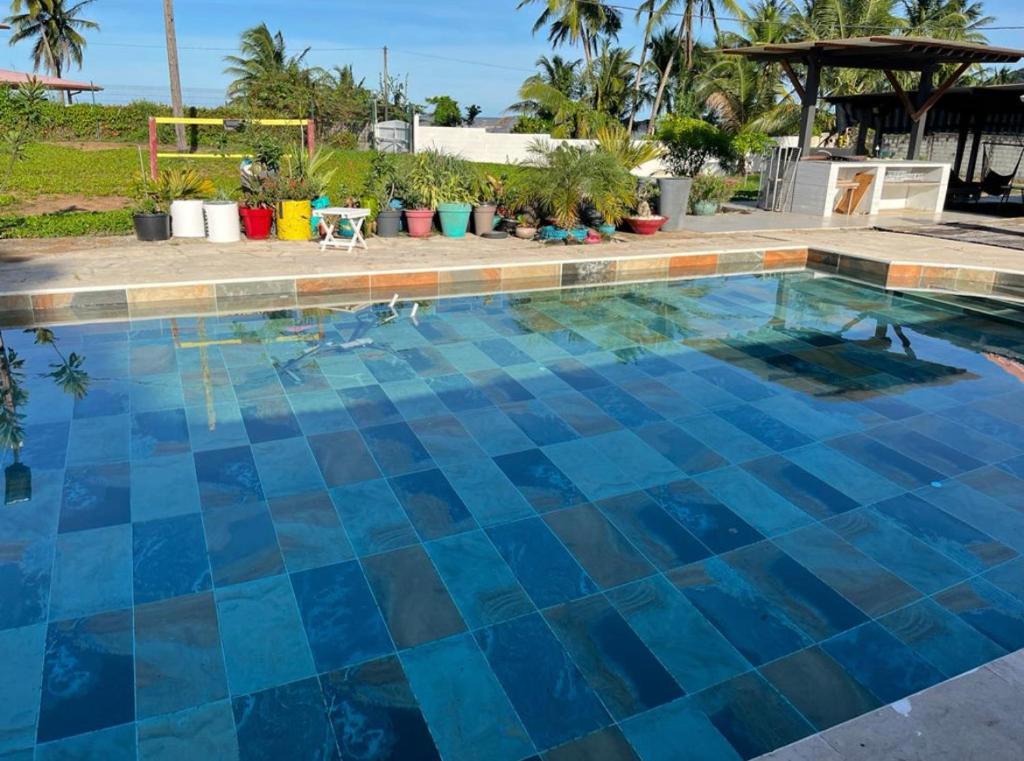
(686, 520)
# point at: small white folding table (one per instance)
(333, 216)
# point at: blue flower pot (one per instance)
(454, 219)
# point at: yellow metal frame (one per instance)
(202, 155)
(208, 121)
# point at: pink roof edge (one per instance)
(9, 77)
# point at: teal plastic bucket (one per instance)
(454, 219)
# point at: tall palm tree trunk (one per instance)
(177, 107)
(667, 73)
(648, 29)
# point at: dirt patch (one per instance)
(76, 202)
(92, 145)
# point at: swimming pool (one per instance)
(697, 519)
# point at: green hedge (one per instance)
(66, 223)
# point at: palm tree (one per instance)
(558, 74)
(946, 19)
(576, 22)
(263, 56)
(56, 29)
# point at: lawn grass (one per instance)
(66, 224)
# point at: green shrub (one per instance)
(711, 187)
(692, 143)
(66, 223)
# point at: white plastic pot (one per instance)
(187, 219)
(222, 224)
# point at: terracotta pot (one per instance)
(642, 226)
(419, 222)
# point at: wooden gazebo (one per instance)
(886, 54)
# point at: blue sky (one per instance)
(492, 40)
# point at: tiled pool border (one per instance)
(239, 295)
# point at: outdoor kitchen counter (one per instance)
(823, 188)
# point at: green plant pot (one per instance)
(705, 208)
(454, 219)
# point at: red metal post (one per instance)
(152, 148)
(311, 136)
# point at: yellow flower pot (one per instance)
(293, 220)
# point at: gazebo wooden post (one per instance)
(917, 126)
(809, 104)
(965, 120)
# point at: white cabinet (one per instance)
(877, 186)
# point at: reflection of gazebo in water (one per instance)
(825, 363)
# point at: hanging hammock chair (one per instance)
(995, 184)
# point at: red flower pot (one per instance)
(642, 226)
(419, 222)
(257, 221)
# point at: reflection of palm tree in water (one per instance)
(66, 373)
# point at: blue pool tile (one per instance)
(261, 632)
(502, 351)
(95, 496)
(499, 386)
(890, 463)
(679, 448)
(548, 573)
(805, 490)
(997, 483)
(606, 555)
(941, 638)
(152, 359)
(479, 581)
(794, 591)
(714, 524)
(539, 422)
(342, 622)
(285, 721)
(384, 527)
(216, 426)
(677, 730)
(45, 446)
(242, 543)
(178, 661)
(737, 383)
(396, 449)
(608, 744)
(426, 361)
(539, 380)
(369, 405)
(375, 715)
(21, 671)
(320, 412)
(816, 685)
(269, 419)
(414, 399)
(643, 465)
(752, 715)
(1014, 466)
(309, 531)
(416, 606)
(386, 367)
(343, 458)
(101, 646)
(847, 570)
(256, 381)
(1009, 577)
(576, 374)
(547, 689)
(469, 715)
(207, 731)
(646, 361)
(286, 467)
(227, 477)
(934, 454)
(163, 487)
(797, 413)
(995, 518)
(616, 663)
(159, 433)
(494, 432)
(486, 491)
(466, 357)
(91, 572)
(861, 484)
(906, 556)
(990, 610)
(105, 397)
(692, 650)
(661, 538)
(661, 397)
(446, 439)
(730, 442)
(25, 571)
(570, 341)
(169, 558)
(585, 417)
(114, 743)
(965, 440)
(969, 547)
(760, 506)
(433, 506)
(625, 408)
(881, 663)
(596, 475)
(458, 393)
(763, 427)
(739, 610)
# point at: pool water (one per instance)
(687, 520)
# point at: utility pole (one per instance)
(172, 68)
(387, 83)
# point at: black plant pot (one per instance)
(389, 223)
(150, 227)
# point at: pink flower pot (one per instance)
(419, 222)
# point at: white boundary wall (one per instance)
(477, 144)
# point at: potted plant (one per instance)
(383, 188)
(709, 192)
(443, 182)
(222, 220)
(149, 216)
(645, 221)
(302, 178)
(526, 225)
(186, 188)
(689, 145)
(257, 211)
(491, 195)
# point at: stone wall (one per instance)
(942, 147)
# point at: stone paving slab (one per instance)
(974, 716)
